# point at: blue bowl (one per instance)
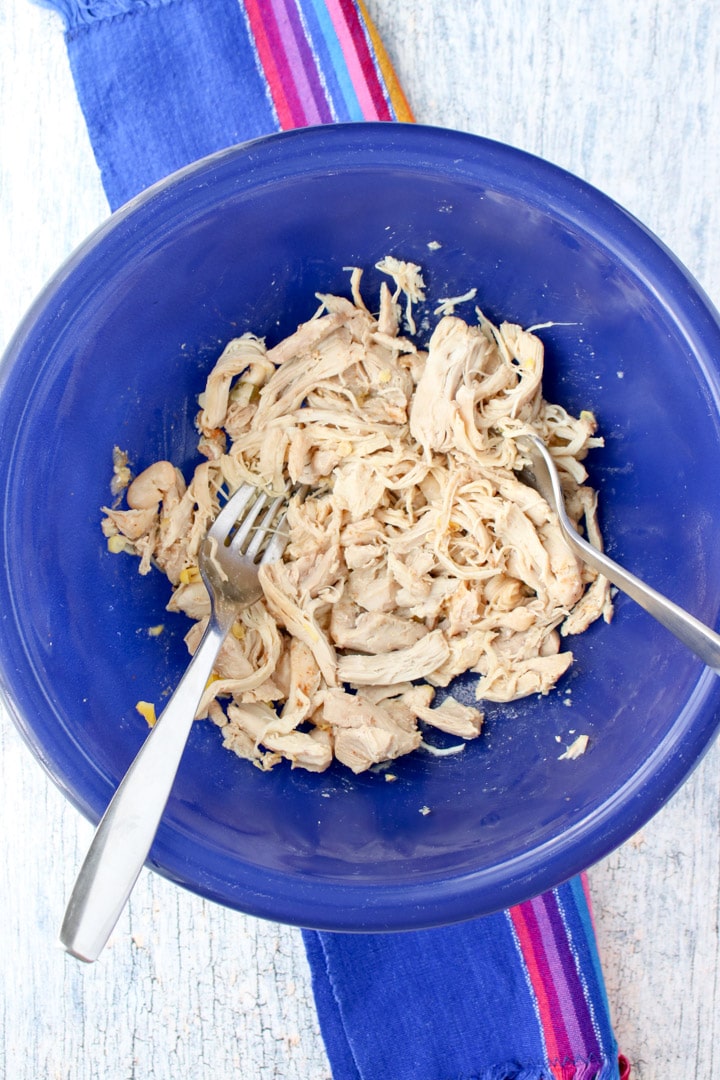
(115, 351)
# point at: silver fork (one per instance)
(229, 557)
(543, 477)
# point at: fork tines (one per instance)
(260, 519)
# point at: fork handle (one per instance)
(698, 637)
(126, 832)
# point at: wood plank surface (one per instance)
(625, 96)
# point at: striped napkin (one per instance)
(162, 83)
(515, 996)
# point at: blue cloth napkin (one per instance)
(515, 996)
(162, 83)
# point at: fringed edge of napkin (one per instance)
(77, 13)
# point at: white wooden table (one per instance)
(626, 96)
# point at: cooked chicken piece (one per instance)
(382, 693)
(248, 657)
(450, 715)
(154, 485)
(419, 555)
(270, 692)
(372, 588)
(233, 661)
(414, 662)
(312, 750)
(526, 352)
(595, 603)
(358, 488)
(187, 522)
(301, 749)
(305, 463)
(565, 569)
(130, 523)
(192, 598)
(462, 609)
(356, 273)
(283, 604)
(237, 739)
(121, 474)
(447, 304)
(366, 733)
(431, 608)
(408, 280)
(305, 340)
(389, 317)
(184, 521)
(305, 683)
(457, 353)
(363, 556)
(155, 498)
(464, 654)
(371, 631)
(504, 593)
(239, 355)
(272, 454)
(536, 675)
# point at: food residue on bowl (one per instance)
(147, 711)
(576, 748)
(418, 555)
(122, 476)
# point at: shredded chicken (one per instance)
(417, 557)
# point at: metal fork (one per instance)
(228, 560)
(543, 477)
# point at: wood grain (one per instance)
(625, 96)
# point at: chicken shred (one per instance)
(417, 557)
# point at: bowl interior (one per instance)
(116, 350)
